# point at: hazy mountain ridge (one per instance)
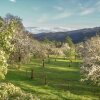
(76, 35)
(37, 30)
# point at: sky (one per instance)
(54, 13)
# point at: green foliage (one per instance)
(46, 40)
(71, 53)
(10, 92)
(1, 22)
(69, 41)
(6, 31)
(21, 41)
(90, 69)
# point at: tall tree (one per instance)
(69, 41)
(71, 53)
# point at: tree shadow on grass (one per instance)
(58, 80)
(55, 80)
(64, 64)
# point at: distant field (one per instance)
(63, 82)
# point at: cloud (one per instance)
(12, 1)
(62, 15)
(87, 11)
(58, 8)
(43, 18)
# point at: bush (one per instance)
(10, 92)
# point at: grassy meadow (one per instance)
(62, 81)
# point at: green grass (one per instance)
(63, 81)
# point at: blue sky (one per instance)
(47, 13)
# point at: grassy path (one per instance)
(63, 81)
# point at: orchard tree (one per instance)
(49, 49)
(69, 41)
(66, 49)
(7, 90)
(57, 52)
(71, 53)
(42, 53)
(6, 32)
(22, 41)
(80, 50)
(91, 58)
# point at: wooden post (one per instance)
(32, 74)
(45, 79)
(19, 59)
(19, 62)
(75, 56)
(43, 63)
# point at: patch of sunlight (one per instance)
(72, 96)
(40, 89)
(69, 60)
(64, 69)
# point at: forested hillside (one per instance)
(76, 35)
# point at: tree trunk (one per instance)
(34, 56)
(48, 59)
(70, 63)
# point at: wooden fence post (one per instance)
(32, 74)
(43, 63)
(45, 79)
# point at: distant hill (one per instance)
(76, 35)
(36, 30)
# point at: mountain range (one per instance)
(59, 34)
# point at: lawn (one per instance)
(63, 82)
